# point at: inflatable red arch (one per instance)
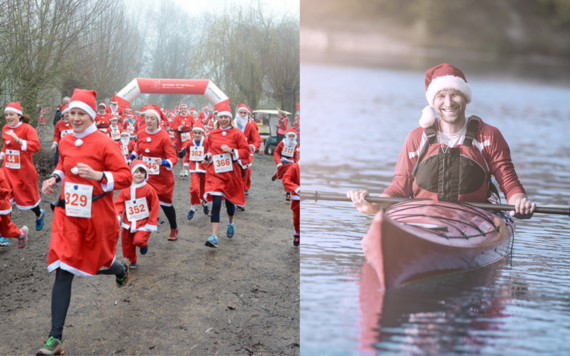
(171, 86)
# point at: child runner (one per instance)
(140, 205)
(7, 228)
(114, 131)
(20, 143)
(126, 144)
(193, 160)
(89, 169)
(223, 180)
(292, 182)
(285, 155)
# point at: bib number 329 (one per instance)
(78, 200)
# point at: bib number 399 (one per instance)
(78, 200)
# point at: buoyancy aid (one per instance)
(458, 173)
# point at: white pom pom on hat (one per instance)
(427, 118)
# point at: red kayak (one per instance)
(421, 239)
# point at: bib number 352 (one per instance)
(78, 200)
(136, 209)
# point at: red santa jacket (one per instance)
(102, 121)
(251, 138)
(5, 193)
(282, 151)
(134, 192)
(196, 166)
(62, 129)
(292, 181)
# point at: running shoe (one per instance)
(212, 241)
(4, 241)
(134, 265)
(23, 237)
(190, 214)
(160, 221)
(121, 282)
(231, 230)
(288, 196)
(173, 235)
(296, 239)
(54, 346)
(181, 173)
(144, 250)
(274, 177)
(206, 208)
(241, 208)
(40, 221)
(246, 193)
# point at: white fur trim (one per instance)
(154, 112)
(24, 145)
(83, 106)
(163, 204)
(19, 112)
(225, 113)
(110, 185)
(30, 206)
(448, 82)
(427, 118)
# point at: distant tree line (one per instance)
(503, 27)
(104, 44)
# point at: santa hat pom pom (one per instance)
(427, 118)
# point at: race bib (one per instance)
(197, 153)
(125, 150)
(153, 167)
(130, 129)
(65, 133)
(13, 159)
(78, 200)
(288, 152)
(171, 135)
(223, 163)
(185, 136)
(136, 209)
(115, 135)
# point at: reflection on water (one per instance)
(519, 306)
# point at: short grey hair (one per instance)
(65, 100)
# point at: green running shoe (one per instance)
(54, 346)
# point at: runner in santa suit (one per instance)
(282, 126)
(140, 204)
(7, 228)
(20, 143)
(114, 107)
(156, 150)
(183, 124)
(195, 151)
(292, 183)
(129, 126)
(209, 124)
(223, 179)
(253, 139)
(298, 127)
(85, 230)
(102, 118)
(126, 144)
(62, 129)
(286, 155)
(207, 114)
(114, 131)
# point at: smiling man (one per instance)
(452, 158)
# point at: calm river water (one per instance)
(356, 120)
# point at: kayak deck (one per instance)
(420, 239)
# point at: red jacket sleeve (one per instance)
(277, 153)
(121, 176)
(402, 184)
(32, 140)
(254, 137)
(169, 151)
(296, 154)
(57, 133)
(242, 147)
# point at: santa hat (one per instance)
(155, 110)
(137, 163)
(15, 107)
(440, 77)
(64, 109)
(84, 100)
(206, 107)
(114, 99)
(192, 109)
(114, 117)
(242, 106)
(181, 105)
(102, 104)
(198, 126)
(224, 109)
(291, 131)
(125, 132)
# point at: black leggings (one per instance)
(216, 207)
(61, 296)
(170, 215)
(37, 211)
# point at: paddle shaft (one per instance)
(391, 201)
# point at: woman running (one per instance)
(20, 143)
(156, 150)
(90, 168)
(224, 177)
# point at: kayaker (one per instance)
(457, 155)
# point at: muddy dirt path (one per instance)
(184, 298)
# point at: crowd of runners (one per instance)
(100, 149)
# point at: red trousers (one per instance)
(282, 170)
(8, 228)
(197, 187)
(296, 207)
(130, 241)
(247, 179)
